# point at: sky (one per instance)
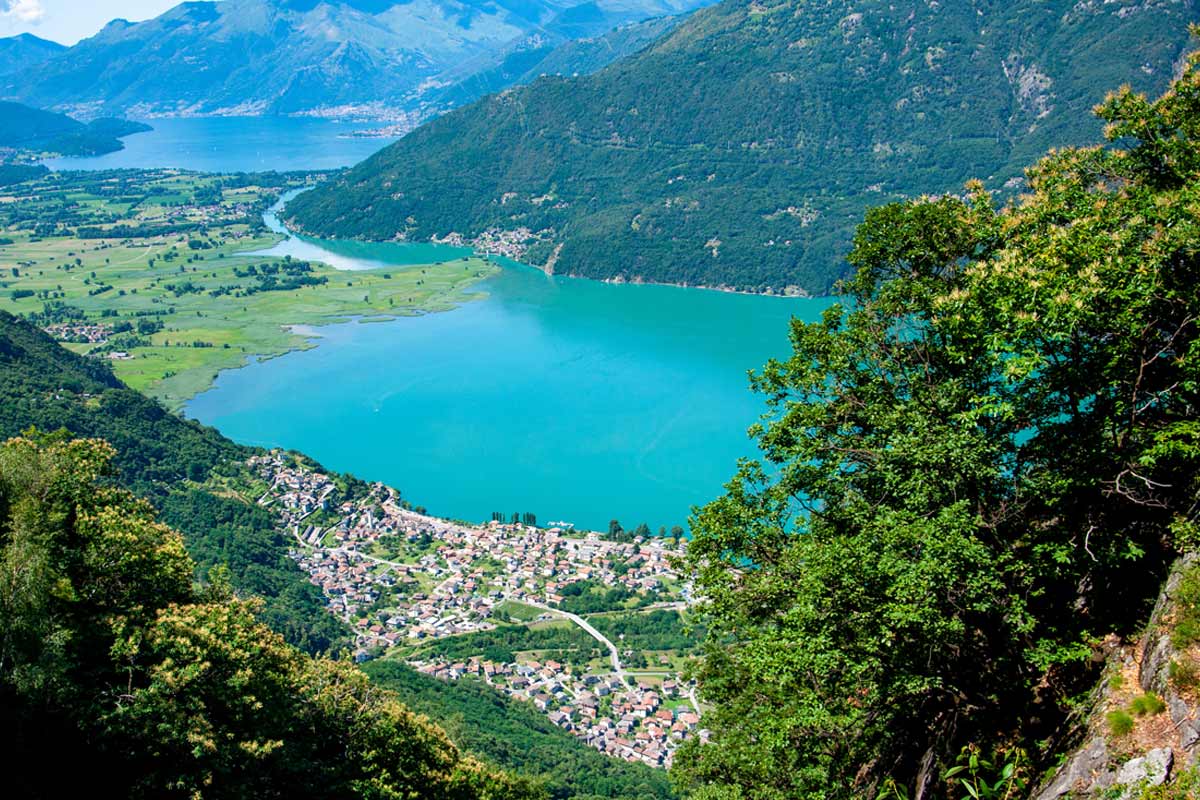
(68, 21)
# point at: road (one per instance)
(613, 655)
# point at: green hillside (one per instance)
(48, 387)
(25, 128)
(484, 722)
(741, 149)
(976, 472)
(146, 684)
(162, 457)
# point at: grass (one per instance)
(1119, 723)
(517, 611)
(1147, 704)
(230, 330)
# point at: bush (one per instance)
(1119, 723)
(1147, 704)
(1184, 675)
(1187, 599)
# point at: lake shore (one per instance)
(185, 288)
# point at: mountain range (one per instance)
(378, 58)
(740, 149)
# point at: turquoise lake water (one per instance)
(576, 400)
(237, 144)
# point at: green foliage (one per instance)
(559, 640)
(1187, 610)
(974, 777)
(1184, 785)
(1147, 704)
(973, 471)
(1184, 674)
(741, 149)
(660, 629)
(1119, 723)
(111, 660)
(45, 386)
(519, 738)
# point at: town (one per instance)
(400, 578)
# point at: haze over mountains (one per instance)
(301, 56)
(742, 148)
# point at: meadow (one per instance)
(155, 270)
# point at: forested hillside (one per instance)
(157, 454)
(976, 471)
(118, 668)
(162, 457)
(742, 149)
(26, 128)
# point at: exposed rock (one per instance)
(1152, 769)
(1088, 772)
(1083, 771)
(1156, 662)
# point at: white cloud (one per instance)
(27, 11)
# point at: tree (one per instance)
(980, 464)
(614, 529)
(113, 660)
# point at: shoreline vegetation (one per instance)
(161, 271)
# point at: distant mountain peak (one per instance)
(297, 56)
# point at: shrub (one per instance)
(1119, 723)
(1149, 703)
(1187, 598)
(1185, 674)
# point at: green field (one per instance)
(156, 255)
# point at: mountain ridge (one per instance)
(277, 57)
(740, 150)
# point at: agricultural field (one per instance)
(156, 270)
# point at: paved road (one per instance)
(613, 655)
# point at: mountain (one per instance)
(26, 128)
(24, 51)
(537, 55)
(302, 56)
(740, 149)
(46, 386)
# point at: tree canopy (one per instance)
(975, 468)
(115, 664)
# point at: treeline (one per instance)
(660, 629)
(565, 642)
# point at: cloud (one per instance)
(28, 11)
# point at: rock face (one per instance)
(1102, 766)
(1152, 769)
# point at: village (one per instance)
(400, 578)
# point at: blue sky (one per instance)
(68, 21)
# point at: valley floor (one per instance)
(154, 270)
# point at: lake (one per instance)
(573, 399)
(237, 144)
